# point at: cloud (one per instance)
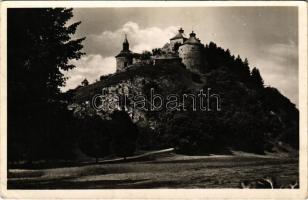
(282, 53)
(90, 67)
(109, 43)
(278, 64)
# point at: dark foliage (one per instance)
(39, 46)
(256, 79)
(157, 52)
(176, 46)
(145, 55)
(85, 82)
(95, 137)
(253, 118)
(148, 139)
(124, 134)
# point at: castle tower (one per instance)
(125, 57)
(191, 53)
(177, 40)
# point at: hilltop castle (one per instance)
(180, 49)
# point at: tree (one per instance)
(95, 138)
(124, 133)
(256, 78)
(157, 52)
(40, 46)
(39, 49)
(145, 55)
(176, 46)
(85, 82)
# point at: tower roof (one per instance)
(192, 39)
(179, 35)
(125, 51)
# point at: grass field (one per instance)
(164, 171)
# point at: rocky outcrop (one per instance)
(138, 80)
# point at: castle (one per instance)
(180, 49)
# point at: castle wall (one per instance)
(123, 62)
(191, 57)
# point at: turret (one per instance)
(125, 57)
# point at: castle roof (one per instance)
(192, 39)
(179, 35)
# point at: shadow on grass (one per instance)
(49, 165)
(25, 174)
(68, 183)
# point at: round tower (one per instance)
(191, 53)
(125, 57)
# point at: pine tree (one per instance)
(40, 46)
(256, 79)
(39, 49)
(85, 82)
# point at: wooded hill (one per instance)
(253, 117)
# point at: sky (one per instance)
(266, 36)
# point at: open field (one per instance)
(164, 171)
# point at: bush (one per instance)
(124, 134)
(95, 137)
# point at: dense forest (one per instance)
(253, 118)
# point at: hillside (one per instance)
(253, 118)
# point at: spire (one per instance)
(125, 38)
(125, 44)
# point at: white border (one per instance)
(160, 193)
